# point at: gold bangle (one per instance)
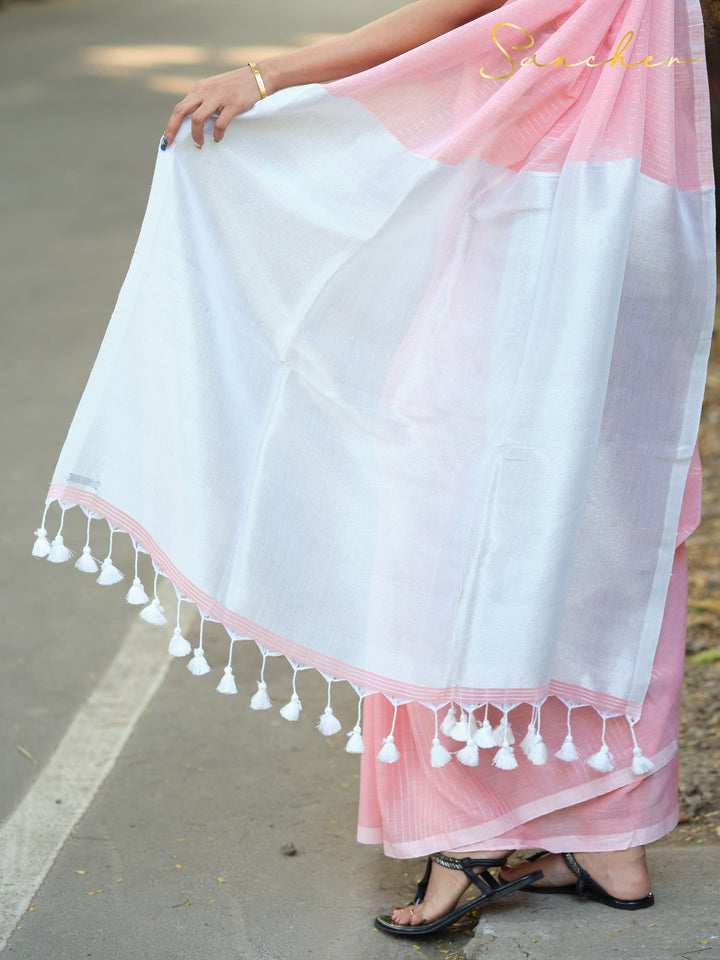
(261, 85)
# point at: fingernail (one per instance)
(215, 139)
(164, 143)
(198, 145)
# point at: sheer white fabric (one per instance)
(410, 415)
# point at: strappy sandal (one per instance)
(589, 889)
(490, 888)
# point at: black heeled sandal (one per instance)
(491, 889)
(590, 889)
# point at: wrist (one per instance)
(272, 75)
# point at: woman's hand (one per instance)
(226, 94)
(229, 94)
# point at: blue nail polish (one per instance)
(164, 143)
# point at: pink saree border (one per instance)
(210, 607)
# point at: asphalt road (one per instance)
(144, 815)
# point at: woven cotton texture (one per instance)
(405, 377)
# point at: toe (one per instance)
(402, 916)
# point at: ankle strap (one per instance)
(574, 865)
(461, 864)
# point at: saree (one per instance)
(404, 380)
(413, 810)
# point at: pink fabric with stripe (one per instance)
(569, 113)
(414, 809)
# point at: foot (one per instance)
(444, 889)
(622, 873)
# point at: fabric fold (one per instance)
(405, 377)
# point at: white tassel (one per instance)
(41, 547)
(291, 710)
(484, 737)
(504, 733)
(449, 721)
(227, 684)
(179, 646)
(640, 764)
(355, 741)
(460, 730)
(389, 753)
(154, 613)
(538, 752)
(58, 552)
(136, 594)
(568, 751)
(469, 756)
(328, 723)
(602, 760)
(529, 739)
(85, 562)
(439, 756)
(109, 574)
(532, 745)
(260, 700)
(198, 666)
(504, 759)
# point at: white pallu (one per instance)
(405, 386)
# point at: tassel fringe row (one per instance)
(459, 723)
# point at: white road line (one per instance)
(36, 831)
